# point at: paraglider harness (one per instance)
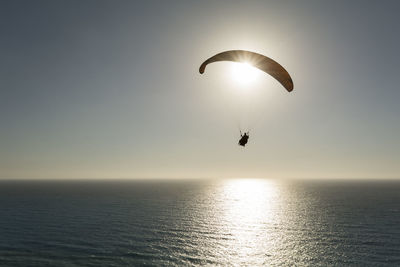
(243, 139)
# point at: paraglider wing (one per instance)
(259, 61)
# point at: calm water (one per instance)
(225, 222)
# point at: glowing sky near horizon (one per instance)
(111, 89)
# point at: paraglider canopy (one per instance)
(259, 61)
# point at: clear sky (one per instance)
(111, 89)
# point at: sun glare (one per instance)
(244, 73)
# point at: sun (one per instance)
(244, 73)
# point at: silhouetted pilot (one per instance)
(244, 138)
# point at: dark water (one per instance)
(224, 222)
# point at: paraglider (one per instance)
(259, 61)
(243, 139)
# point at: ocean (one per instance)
(236, 222)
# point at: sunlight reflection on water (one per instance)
(247, 210)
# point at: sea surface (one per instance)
(238, 222)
